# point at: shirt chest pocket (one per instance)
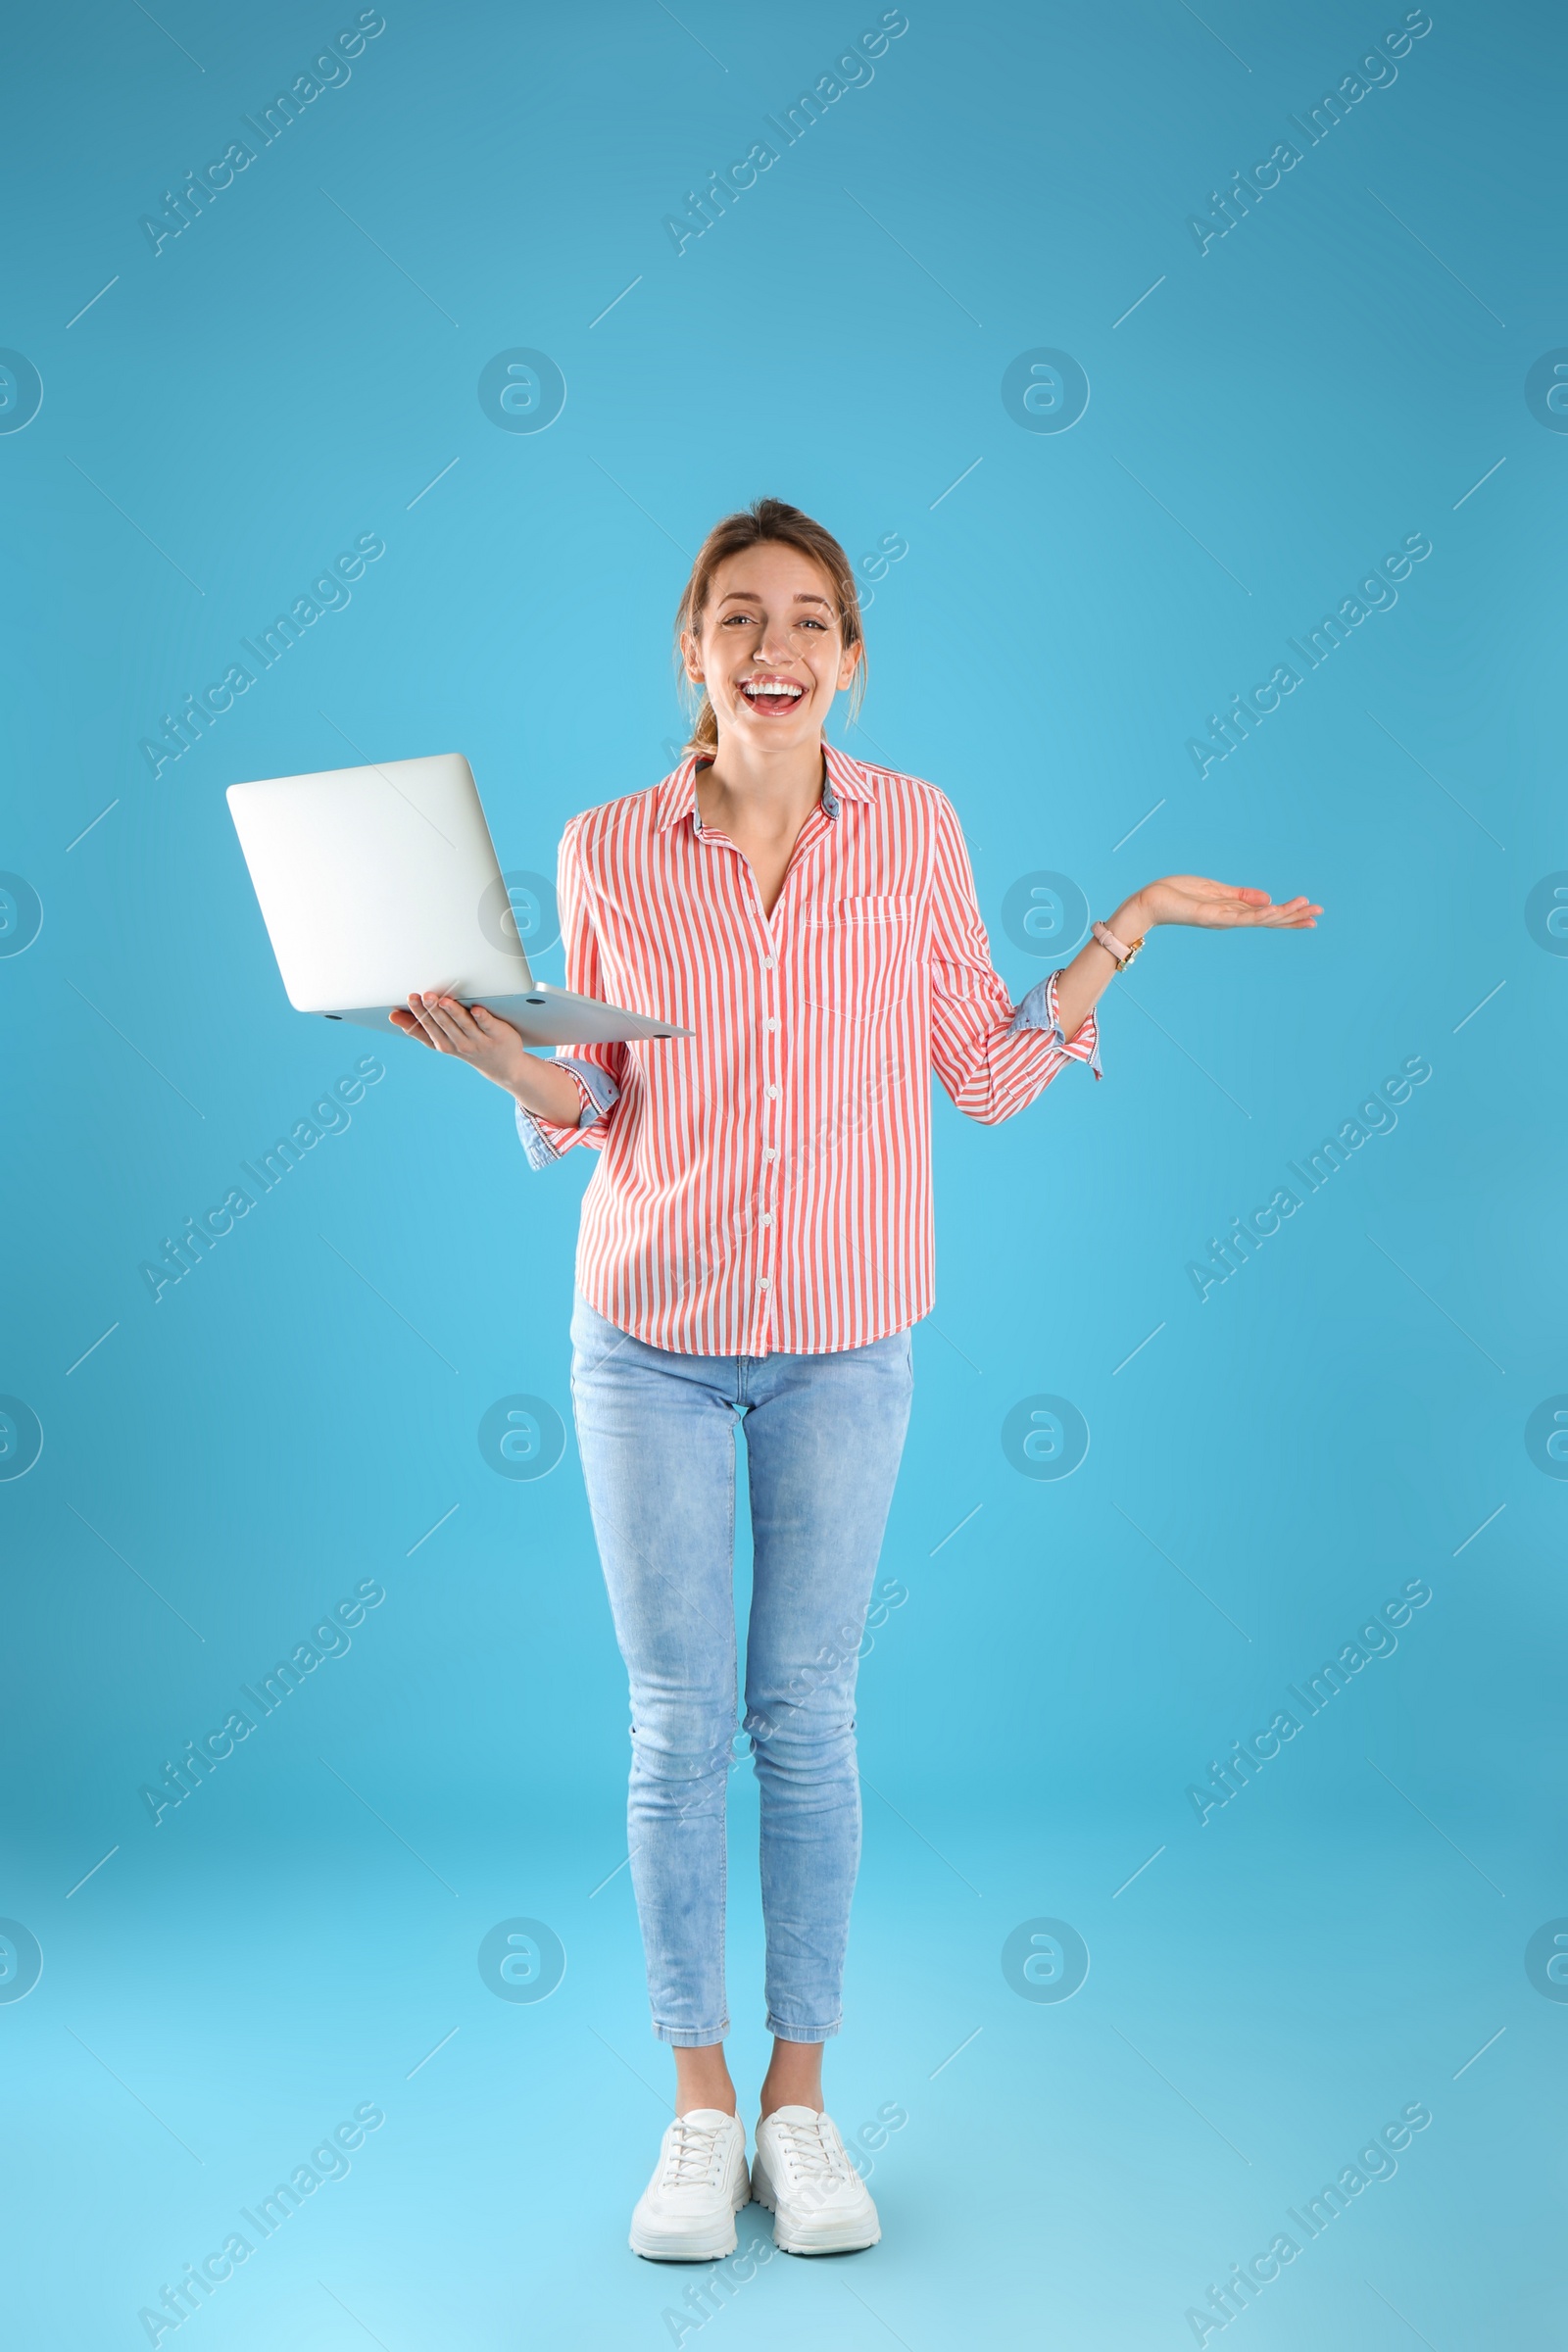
(860, 953)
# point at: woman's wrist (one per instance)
(1132, 920)
(545, 1091)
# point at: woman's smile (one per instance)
(771, 694)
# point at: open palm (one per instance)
(1222, 906)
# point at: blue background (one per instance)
(1339, 1417)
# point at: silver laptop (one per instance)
(378, 881)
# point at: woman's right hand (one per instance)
(493, 1048)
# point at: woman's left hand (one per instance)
(1217, 906)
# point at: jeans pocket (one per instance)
(592, 1335)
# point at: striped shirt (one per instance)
(765, 1183)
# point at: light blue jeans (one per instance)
(656, 1430)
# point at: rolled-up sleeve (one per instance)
(596, 1070)
(992, 1058)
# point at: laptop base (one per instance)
(543, 1016)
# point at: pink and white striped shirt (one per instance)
(765, 1183)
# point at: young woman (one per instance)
(757, 1243)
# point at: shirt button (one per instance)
(773, 1092)
(767, 963)
(767, 1216)
(768, 1151)
(770, 1024)
(762, 1284)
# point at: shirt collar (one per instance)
(845, 780)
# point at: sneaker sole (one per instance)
(807, 2237)
(706, 2246)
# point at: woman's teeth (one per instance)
(772, 694)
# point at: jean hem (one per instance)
(786, 2033)
(682, 2037)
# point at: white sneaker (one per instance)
(687, 2212)
(801, 2173)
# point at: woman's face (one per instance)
(771, 651)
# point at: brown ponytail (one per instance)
(765, 519)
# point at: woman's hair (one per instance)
(765, 521)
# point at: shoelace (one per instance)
(815, 2153)
(693, 2154)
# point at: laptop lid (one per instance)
(376, 881)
